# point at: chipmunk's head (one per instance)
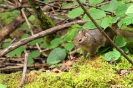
(81, 38)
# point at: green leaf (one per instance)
(46, 1)
(9, 16)
(2, 86)
(121, 10)
(119, 41)
(130, 10)
(18, 51)
(94, 2)
(115, 55)
(36, 41)
(112, 6)
(79, 51)
(31, 18)
(55, 42)
(75, 26)
(106, 22)
(126, 21)
(90, 25)
(75, 12)
(25, 36)
(56, 55)
(35, 54)
(70, 35)
(55, 65)
(32, 55)
(30, 61)
(95, 13)
(24, 26)
(82, 1)
(125, 49)
(69, 46)
(114, 19)
(59, 65)
(52, 66)
(6, 44)
(43, 44)
(1, 1)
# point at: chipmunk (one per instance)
(90, 40)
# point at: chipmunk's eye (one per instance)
(80, 40)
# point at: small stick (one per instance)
(24, 70)
(12, 68)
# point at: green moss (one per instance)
(84, 74)
(124, 63)
(10, 80)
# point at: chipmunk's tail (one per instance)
(125, 33)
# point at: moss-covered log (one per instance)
(44, 21)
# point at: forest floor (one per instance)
(83, 73)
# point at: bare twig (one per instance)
(24, 70)
(24, 15)
(10, 68)
(26, 57)
(16, 8)
(102, 31)
(38, 35)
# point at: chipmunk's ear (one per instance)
(84, 31)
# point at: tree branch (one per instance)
(102, 31)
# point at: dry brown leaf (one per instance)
(30, 77)
(66, 65)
